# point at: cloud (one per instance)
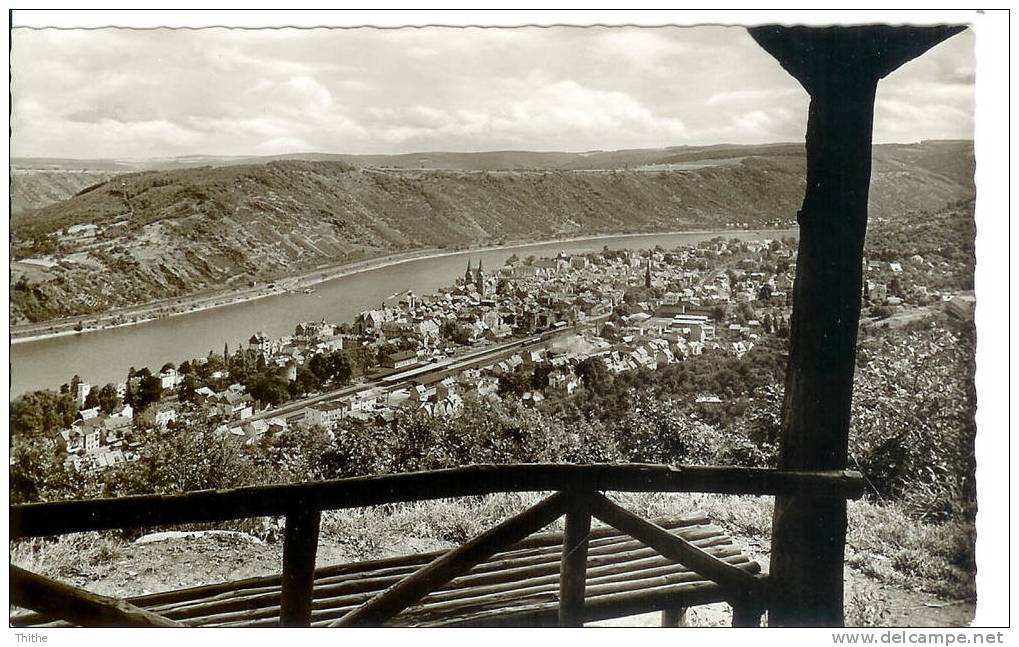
(764, 95)
(120, 93)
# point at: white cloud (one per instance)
(112, 93)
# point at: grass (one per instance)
(886, 544)
(866, 609)
(78, 557)
(883, 542)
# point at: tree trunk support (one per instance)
(840, 68)
(674, 617)
(300, 545)
(573, 569)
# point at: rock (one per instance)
(198, 534)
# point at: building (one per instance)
(401, 359)
(326, 413)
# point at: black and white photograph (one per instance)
(545, 319)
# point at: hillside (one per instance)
(36, 188)
(173, 233)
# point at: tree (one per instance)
(594, 374)
(187, 388)
(150, 390)
(108, 398)
(319, 365)
(168, 366)
(306, 381)
(539, 379)
(340, 368)
(270, 389)
(609, 332)
(42, 413)
(91, 400)
(515, 384)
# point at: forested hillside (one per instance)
(172, 233)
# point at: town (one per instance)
(529, 330)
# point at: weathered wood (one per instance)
(840, 67)
(674, 617)
(746, 615)
(615, 605)
(300, 546)
(77, 606)
(54, 518)
(536, 554)
(453, 596)
(573, 570)
(737, 581)
(490, 572)
(357, 591)
(456, 562)
(664, 580)
(535, 545)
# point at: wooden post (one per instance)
(77, 606)
(674, 617)
(300, 545)
(840, 68)
(573, 569)
(746, 614)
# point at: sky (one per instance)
(121, 93)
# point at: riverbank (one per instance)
(186, 306)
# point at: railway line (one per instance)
(395, 381)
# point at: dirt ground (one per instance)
(176, 560)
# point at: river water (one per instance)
(106, 355)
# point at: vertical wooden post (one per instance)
(573, 568)
(300, 545)
(746, 614)
(840, 68)
(674, 617)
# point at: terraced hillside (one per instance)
(173, 233)
(36, 188)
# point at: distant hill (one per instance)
(35, 188)
(171, 233)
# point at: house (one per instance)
(164, 416)
(326, 413)
(401, 359)
(170, 378)
(81, 232)
(261, 343)
(877, 292)
(234, 402)
(961, 307)
(562, 381)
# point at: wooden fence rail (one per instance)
(62, 517)
(577, 496)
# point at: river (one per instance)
(106, 355)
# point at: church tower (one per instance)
(480, 281)
(647, 274)
(468, 275)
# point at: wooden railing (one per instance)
(577, 495)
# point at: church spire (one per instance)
(468, 275)
(647, 274)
